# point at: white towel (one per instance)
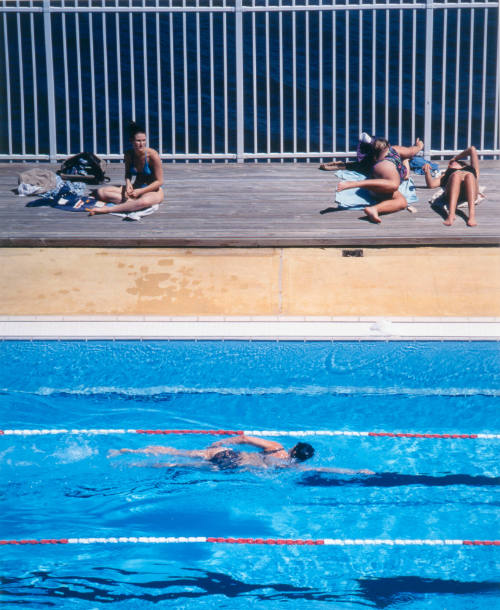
(138, 214)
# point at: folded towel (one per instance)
(359, 198)
(417, 164)
(138, 214)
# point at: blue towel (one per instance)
(359, 198)
(417, 163)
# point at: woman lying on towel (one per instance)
(142, 163)
(460, 183)
(389, 168)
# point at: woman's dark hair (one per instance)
(225, 459)
(302, 452)
(379, 145)
(134, 128)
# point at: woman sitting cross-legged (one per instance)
(142, 163)
(460, 182)
(389, 168)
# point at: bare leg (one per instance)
(132, 205)
(379, 186)
(408, 152)
(111, 194)
(471, 194)
(332, 165)
(396, 203)
(452, 193)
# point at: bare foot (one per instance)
(372, 215)
(449, 221)
(471, 222)
(419, 143)
(332, 165)
(95, 211)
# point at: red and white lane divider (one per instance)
(270, 541)
(263, 433)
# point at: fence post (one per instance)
(49, 62)
(429, 33)
(240, 122)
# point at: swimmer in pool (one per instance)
(222, 457)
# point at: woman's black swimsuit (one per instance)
(451, 170)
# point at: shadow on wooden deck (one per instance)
(245, 205)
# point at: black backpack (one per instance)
(84, 167)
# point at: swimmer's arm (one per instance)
(157, 450)
(254, 441)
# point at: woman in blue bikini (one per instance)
(390, 167)
(144, 165)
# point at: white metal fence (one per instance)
(246, 79)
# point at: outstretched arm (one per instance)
(335, 470)
(254, 441)
(474, 159)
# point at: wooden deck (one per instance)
(244, 205)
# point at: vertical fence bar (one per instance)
(21, 83)
(443, 77)
(457, 76)
(400, 80)
(320, 80)
(66, 83)
(334, 81)
(198, 80)
(254, 90)
(92, 79)
(374, 72)
(186, 90)
(224, 53)
(212, 86)
(172, 82)
(483, 88)
(119, 78)
(132, 63)
(386, 94)
(35, 79)
(268, 87)
(145, 70)
(7, 78)
(308, 89)
(49, 62)
(79, 79)
(360, 74)
(413, 73)
(159, 82)
(240, 110)
(471, 70)
(429, 32)
(347, 73)
(280, 25)
(294, 78)
(106, 84)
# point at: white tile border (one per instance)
(247, 328)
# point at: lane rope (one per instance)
(263, 433)
(269, 541)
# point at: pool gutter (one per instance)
(254, 328)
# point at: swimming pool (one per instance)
(60, 486)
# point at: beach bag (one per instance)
(84, 167)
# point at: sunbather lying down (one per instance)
(387, 167)
(221, 456)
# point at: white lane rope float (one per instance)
(263, 433)
(259, 541)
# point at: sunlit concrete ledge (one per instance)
(246, 328)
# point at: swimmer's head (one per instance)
(137, 135)
(302, 452)
(225, 459)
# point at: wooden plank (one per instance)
(247, 205)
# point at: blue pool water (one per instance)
(66, 486)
